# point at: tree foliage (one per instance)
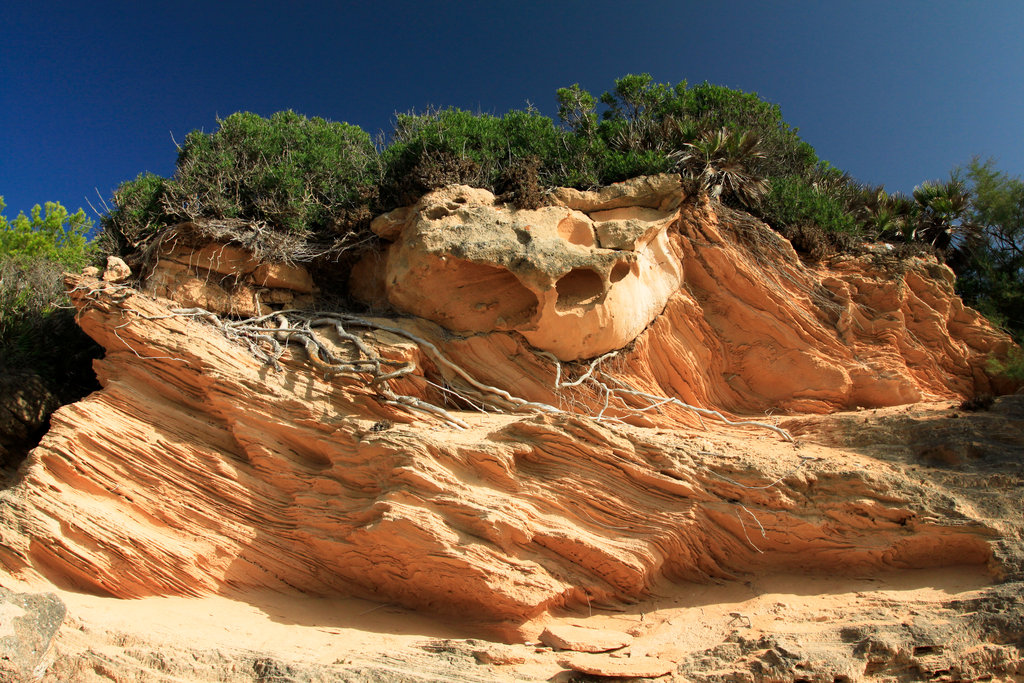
(943, 211)
(37, 328)
(305, 176)
(54, 235)
(990, 261)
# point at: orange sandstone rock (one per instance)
(283, 276)
(226, 279)
(719, 303)
(582, 639)
(573, 284)
(199, 469)
(117, 270)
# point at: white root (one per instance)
(268, 335)
(440, 359)
(611, 386)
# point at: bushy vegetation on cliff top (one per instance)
(321, 181)
(324, 180)
(38, 334)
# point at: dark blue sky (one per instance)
(893, 92)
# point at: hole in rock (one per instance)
(486, 296)
(435, 212)
(619, 271)
(578, 287)
(575, 230)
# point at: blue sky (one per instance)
(91, 94)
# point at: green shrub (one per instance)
(644, 128)
(618, 165)
(793, 201)
(308, 177)
(296, 173)
(436, 148)
(313, 178)
(138, 213)
(644, 116)
(37, 327)
(1011, 368)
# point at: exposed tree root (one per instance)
(612, 388)
(267, 337)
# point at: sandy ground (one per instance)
(305, 637)
(955, 623)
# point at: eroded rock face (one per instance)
(733, 318)
(199, 469)
(577, 279)
(756, 329)
(226, 279)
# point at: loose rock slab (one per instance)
(28, 623)
(501, 655)
(582, 639)
(625, 667)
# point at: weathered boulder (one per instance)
(226, 279)
(117, 270)
(573, 283)
(28, 623)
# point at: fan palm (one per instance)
(943, 211)
(884, 215)
(719, 163)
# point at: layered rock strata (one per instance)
(733, 318)
(226, 279)
(200, 468)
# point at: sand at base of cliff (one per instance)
(176, 638)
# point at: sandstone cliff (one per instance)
(452, 452)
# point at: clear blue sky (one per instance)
(893, 92)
